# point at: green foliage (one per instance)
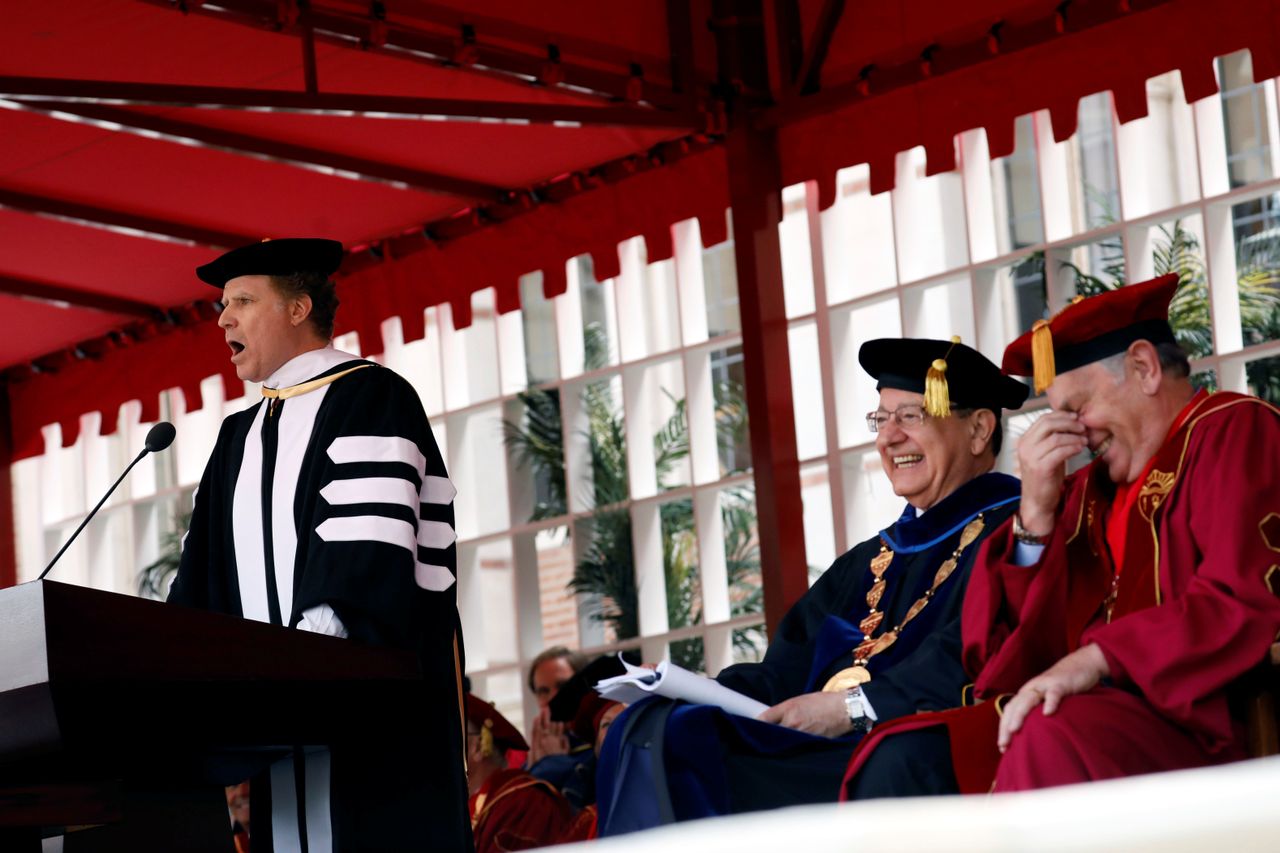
(605, 570)
(154, 578)
(1177, 250)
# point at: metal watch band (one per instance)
(1023, 535)
(854, 703)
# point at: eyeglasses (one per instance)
(908, 417)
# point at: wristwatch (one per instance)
(1024, 535)
(856, 704)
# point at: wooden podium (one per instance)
(121, 718)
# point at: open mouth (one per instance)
(236, 348)
(909, 460)
(1103, 448)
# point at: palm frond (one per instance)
(155, 577)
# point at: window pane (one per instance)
(1091, 268)
(556, 601)
(1015, 186)
(819, 533)
(733, 430)
(857, 238)
(605, 577)
(1264, 378)
(1177, 247)
(806, 390)
(1095, 152)
(667, 424)
(869, 502)
(797, 257)
(929, 219)
(720, 278)
(534, 434)
(1244, 118)
(1158, 165)
(1256, 225)
(680, 567)
(599, 327)
(537, 315)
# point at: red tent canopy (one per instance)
(453, 151)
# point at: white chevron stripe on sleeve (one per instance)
(437, 490)
(436, 534)
(434, 578)
(369, 528)
(374, 490)
(377, 448)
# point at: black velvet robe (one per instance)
(711, 762)
(390, 790)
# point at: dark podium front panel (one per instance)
(102, 695)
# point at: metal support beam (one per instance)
(120, 220)
(1004, 38)
(810, 77)
(755, 194)
(310, 75)
(271, 149)
(16, 286)
(223, 97)
(504, 50)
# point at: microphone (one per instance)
(158, 438)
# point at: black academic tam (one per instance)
(973, 380)
(274, 257)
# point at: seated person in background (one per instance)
(878, 635)
(554, 754)
(547, 674)
(510, 810)
(1121, 601)
(595, 715)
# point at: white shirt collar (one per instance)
(310, 364)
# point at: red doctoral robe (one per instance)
(515, 811)
(1196, 604)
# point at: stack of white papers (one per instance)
(674, 682)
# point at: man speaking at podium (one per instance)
(326, 507)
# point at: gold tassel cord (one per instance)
(937, 393)
(1044, 370)
(937, 396)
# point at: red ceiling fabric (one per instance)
(180, 187)
(1119, 56)
(646, 204)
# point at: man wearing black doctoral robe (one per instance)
(326, 507)
(878, 635)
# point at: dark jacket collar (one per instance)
(943, 520)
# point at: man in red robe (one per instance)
(1121, 602)
(510, 810)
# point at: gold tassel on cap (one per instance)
(937, 394)
(1042, 364)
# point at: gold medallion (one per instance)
(846, 678)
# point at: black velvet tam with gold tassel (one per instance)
(949, 374)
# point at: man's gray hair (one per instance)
(1173, 360)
